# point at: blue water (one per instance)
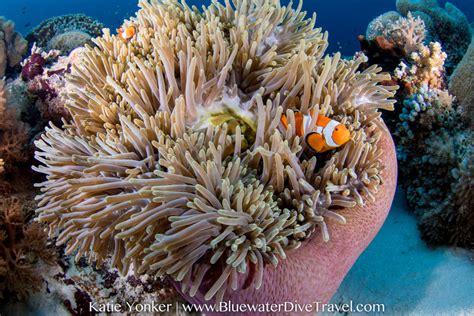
(344, 19)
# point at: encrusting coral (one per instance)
(175, 161)
(65, 33)
(12, 46)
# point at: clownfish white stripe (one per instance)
(328, 131)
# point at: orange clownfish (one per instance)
(127, 32)
(329, 133)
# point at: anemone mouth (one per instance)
(156, 174)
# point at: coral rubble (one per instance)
(175, 162)
(12, 46)
(65, 33)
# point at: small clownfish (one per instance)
(329, 133)
(127, 32)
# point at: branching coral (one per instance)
(12, 46)
(448, 26)
(21, 247)
(175, 160)
(65, 33)
(408, 33)
(427, 67)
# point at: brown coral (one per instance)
(175, 161)
(13, 133)
(12, 46)
(21, 246)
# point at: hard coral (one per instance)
(447, 25)
(407, 33)
(155, 168)
(44, 74)
(12, 46)
(425, 67)
(381, 51)
(13, 133)
(434, 144)
(461, 83)
(65, 32)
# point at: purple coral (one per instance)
(33, 66)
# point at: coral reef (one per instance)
(44, 74)
(448, 26)
(434, 141)
(104, 285)
(22, 246)
(13, 133)
(381, 51)
(424, 67)
(175, 162)
(461, 82)
(65, 33)
(12, 46)
(407, 33)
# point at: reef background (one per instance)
(342, 36)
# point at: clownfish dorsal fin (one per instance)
(323, 121)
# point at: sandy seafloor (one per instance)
(400, 271)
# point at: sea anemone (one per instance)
(175, 161)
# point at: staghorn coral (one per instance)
(65, 33)
(12, 46)
(461, 83)
(448, 26)
(22, 246)
(174, 161)
(407, 33)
